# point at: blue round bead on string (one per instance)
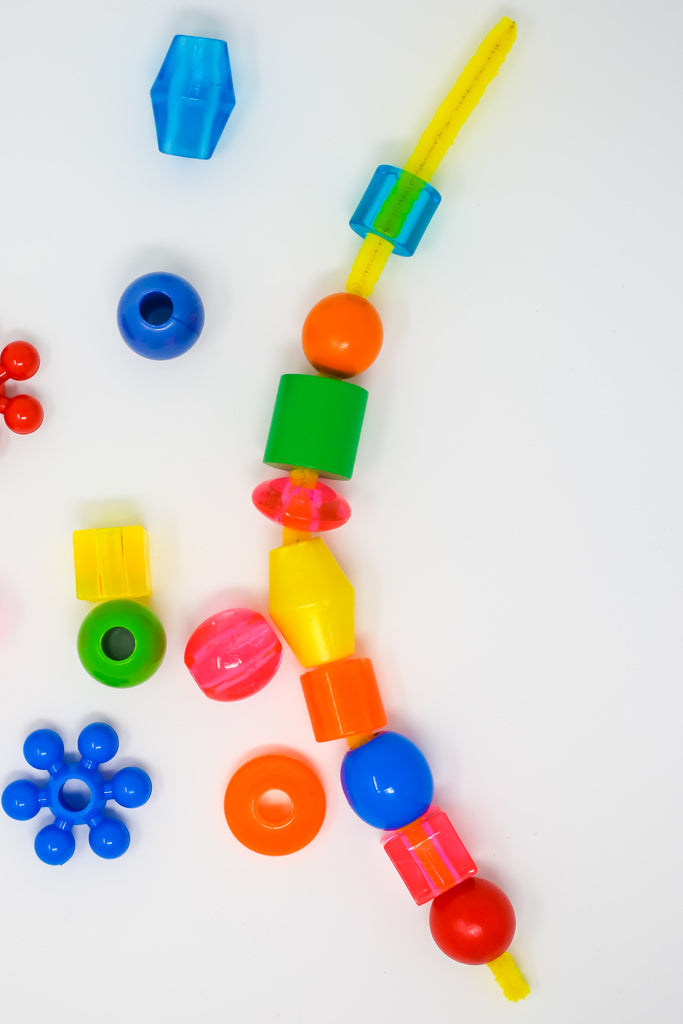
(387, 781)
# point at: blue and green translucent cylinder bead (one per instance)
(396, 206)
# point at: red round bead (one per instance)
(473, 922)
(23, 414)
(20, 360)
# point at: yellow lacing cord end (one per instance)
(368, 265)
(509, 977)
(436, 141)
(461, 100)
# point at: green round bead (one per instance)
(121, 643)
(316, 424)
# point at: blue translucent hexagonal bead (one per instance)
(193, 96)
(397, 206)
(77, 793)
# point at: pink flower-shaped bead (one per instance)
(233, 654)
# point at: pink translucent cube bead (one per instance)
(233, 654)
(429, 856)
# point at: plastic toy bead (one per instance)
(473, 923)
(160, 316)
(23, 413)
(397, 206)
(112, 563)
(429, 856)
(312, 602)
(275, 804)
(19, 361)
(193, 96)
(316, 423)
(233, 654)
(76, 793)
(121, 643)
(342, 335)
(387, 781)
(343, 699)
(310, 509)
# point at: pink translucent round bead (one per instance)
(313, 509)
(233, 654)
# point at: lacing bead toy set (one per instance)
(314, 435)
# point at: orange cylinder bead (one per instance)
(342, 335)
(343, 699)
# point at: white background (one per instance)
(515, 543)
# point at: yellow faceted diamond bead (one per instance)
(112, 563)
(311, 602)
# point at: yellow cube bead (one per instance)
(112, 563)
(311, 602)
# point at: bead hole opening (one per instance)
(74, 795)
(156, 309)
(118, 643)
(275, 808)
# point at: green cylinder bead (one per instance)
(121, 643)
(316, 424)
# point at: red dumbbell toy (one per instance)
(18, 361)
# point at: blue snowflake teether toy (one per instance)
(76, 793)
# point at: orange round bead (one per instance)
(342, 335)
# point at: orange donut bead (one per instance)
(342, 335)
(275, 804)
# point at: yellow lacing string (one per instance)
(368, 265)
(509, 977)
(435, 142)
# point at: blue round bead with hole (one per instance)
(160, 316)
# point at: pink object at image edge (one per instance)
(233, 654)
